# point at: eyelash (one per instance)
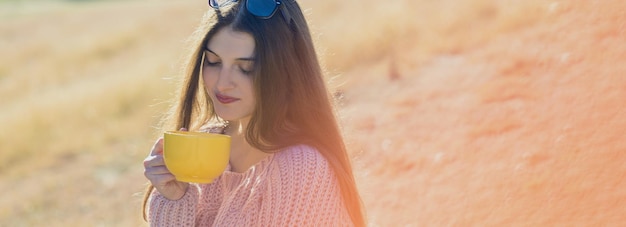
(245, 71)
(208, 63)
(214, 64)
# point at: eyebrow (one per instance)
(238, 59)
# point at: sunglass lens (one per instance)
(261, 8)
(219, 3)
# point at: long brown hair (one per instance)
(293, 104)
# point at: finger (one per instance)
(154, 160)
(184, 129)
(157, 148)
(157, 170)
(167, 177)
(161, 179)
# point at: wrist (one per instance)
(178, 193)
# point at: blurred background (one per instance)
(456, 112)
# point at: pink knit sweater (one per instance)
(294, 187)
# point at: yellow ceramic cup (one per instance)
(195, 156)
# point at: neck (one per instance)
(237, 129)
(242, 154)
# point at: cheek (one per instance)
(252, 94)
(248, 86)
(207, 79)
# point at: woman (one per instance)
(254, 76)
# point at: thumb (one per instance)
(157, 149)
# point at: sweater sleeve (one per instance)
(165, 212)
(304, 192)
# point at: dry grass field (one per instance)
(457, 113)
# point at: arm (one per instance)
(167, 192)
(198, 207)
(181, 212)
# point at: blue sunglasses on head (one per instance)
(263, 9)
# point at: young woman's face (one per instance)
(227, 73)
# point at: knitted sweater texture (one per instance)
(294, 187)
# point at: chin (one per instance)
(230, 116)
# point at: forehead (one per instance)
(228, 43)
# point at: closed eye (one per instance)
(209, 63)
(247, 72)
(210, 59)
(246, 67)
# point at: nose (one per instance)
(224, 79)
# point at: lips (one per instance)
(224, 99)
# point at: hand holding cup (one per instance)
(181, 157)
(160, 177)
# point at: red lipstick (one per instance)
(225, 99)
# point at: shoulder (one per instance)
(301, 169)
(302, 162)
(301, 156)
(303, 190)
